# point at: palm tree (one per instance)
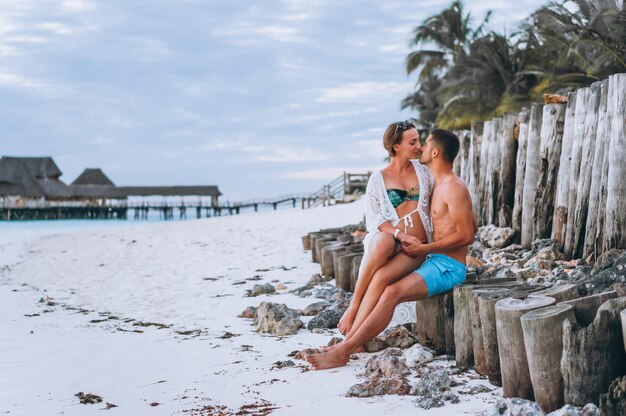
(451, 33)
(581, 41)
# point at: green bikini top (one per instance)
(400, 196)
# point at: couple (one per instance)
(419, 220)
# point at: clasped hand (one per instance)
(412, 246)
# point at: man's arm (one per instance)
(462, 217)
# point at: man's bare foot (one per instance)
(346, 321)
(331, 359)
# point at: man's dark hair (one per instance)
(448, 142)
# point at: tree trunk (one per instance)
(464, 351)
(343, 264)
(563, 179)
(508, 153)
(532, 174)
(435, 323)
(615, 222)
(543, 341)
(550, 152)
(354, 271)
(593, 237)
(474, 160)
(485, 157)
(560, 293)
(487, 310)
(513, 364)
(613, 403)
(586, 166)
(585, 308)
(593, 356)
(520, 170)
(582, 100)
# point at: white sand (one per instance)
(179, 274)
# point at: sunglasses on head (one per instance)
(403, 125)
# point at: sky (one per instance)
(261, 98)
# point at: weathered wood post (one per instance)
(560, 293)
(473, 183)
(543, 341)
(354, 271)
(593, 356)
(582, 102)
(593, 236)
(492, 180)
(586, 308)
(513, 363)
(478, 345)
(484, 161)
(508, 153)
(586, 166)
(549, 154)
(465, 139)
(343, 269)
(520, 170)
(532, 174)
(615, 217)
(435, 323)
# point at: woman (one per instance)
(398, 209)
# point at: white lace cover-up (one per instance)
(379, 209)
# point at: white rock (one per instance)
(416, 356)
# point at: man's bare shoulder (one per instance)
(454, 188)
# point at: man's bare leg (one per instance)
(380, 250)
(409, 288)
(397, 268)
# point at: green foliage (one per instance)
(471, 74)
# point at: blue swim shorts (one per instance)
(441, 273)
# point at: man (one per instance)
(454, 225)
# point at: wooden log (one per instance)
(615, 222)
(354, 271)
(532, 174)
(313, 237)
(435, 323)
(487, 309)
(306, 242)
(473, 184)
(613, 403)
(478, 345)
(492, 179)
(513, 364)
(593, 356)
(520, 170)
(319, 244)
(485, 150)
(592, 244)
(582, 102)
(343, 270)
(327, 264)
(586, 308)
(464, 352)
(622, 316)
(506, 186)
(563, 179)
(560, 293)
(549, 154)
(543, 341)
(465, 140)
(586, 166)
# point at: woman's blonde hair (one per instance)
(393, 135)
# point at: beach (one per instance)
(145, 316)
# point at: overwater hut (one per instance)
(31, 182)
(94, 188)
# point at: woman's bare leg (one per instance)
(381, 247)
(409, 288)
(398, 267)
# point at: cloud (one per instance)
(283, 154)
(73, 6)
(361, 90)
(250, 34)
(324, 173)
(13, 80)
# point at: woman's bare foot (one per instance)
(331, 359)
(346, 321)
(332, 347)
